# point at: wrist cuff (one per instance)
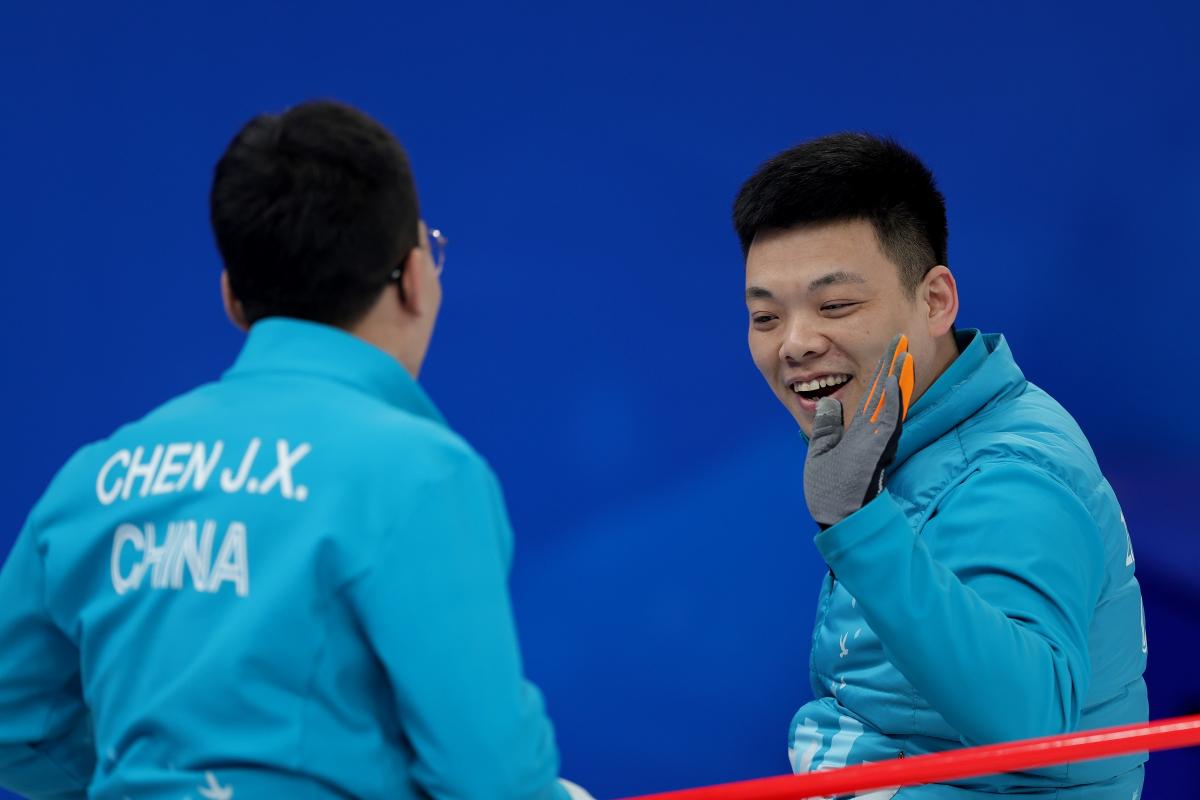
(859, 528)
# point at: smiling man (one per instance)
(981, 585)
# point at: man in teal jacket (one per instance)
(981, 579)
(290, 582)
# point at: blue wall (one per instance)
(582, 160)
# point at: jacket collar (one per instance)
(285, 345)
(983, 371)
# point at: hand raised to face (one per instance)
(845, 467)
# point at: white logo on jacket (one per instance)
(214, 790)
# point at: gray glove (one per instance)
(845, 466)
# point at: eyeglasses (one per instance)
(435, 243)
(437, 249)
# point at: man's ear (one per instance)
(414, 284)
(233, 306)
(939, 290)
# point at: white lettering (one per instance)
(133, 535)
(231, 563)
(182, 466)
(156, 557)
(164, 571)
(195, 559)
(107, 496)
(145, 471)
(170, 468)
(1145, 642)
(232, 484)
(167, 563)
(200, 467)
(282, 474)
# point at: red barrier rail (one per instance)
(968, 762)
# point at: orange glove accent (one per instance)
(906, 380)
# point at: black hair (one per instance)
(848, 176)
(312, 210)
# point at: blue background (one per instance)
(582, 158)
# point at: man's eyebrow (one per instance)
(758, 293)
(835, 278)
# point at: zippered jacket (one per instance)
(290, 583)
(987, 595)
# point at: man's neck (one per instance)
(945, 351)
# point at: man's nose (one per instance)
(802, 341)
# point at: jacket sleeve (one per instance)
(435, 607)
(45, 730)
(986, 612)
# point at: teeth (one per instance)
(819, 383)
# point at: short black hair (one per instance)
(848, 176)
(312, 210)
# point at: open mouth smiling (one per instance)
(808, 392)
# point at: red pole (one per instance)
(955, 764)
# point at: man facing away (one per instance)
(290, 582)
(981, 585)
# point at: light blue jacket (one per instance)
(288, 583)
(988, 594)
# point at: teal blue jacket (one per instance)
(288, 583)
(988, 594)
